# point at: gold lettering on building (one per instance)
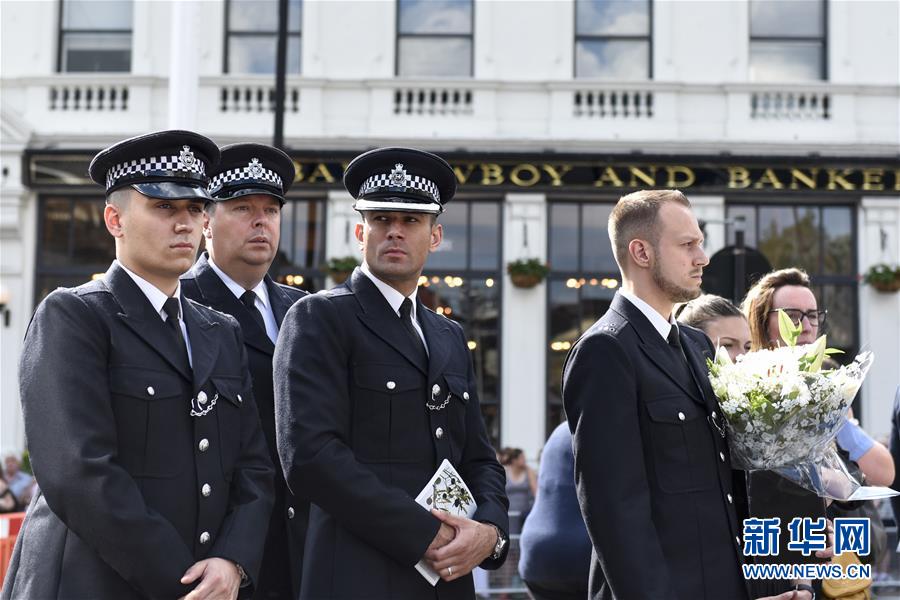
(609, 176)
(298, 171)
(321, 172)
(648, 178)
(872, 179)
(491, 174)
(836, 179)
(738, 178)
(532, 175)
(897, 180)
(463, 176)
(768, 178)
(807, 179)
(687, 179)
(556, 173)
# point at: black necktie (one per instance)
(406, 319)
(249, 300)
(675, 343)
(172, 308)
(675, 340)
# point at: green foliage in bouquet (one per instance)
(811, 362)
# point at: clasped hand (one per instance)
(460, 545)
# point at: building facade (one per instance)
(780, 121)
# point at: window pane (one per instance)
(435, 16)
(262, 15)
(92, 244)
(789, 236)
(451, 254)
(96, 52)
(837, 228)
(612, 17)
(596, 251)
(564, 237)
(435, 57)
(564, 329)
(612, 59)
(97, 14)
(485, 240)
(304, 251)
(55, 232)
(786, 18)
(785, 61)
(256, 54)
(840, 300)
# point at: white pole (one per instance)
(183, 57)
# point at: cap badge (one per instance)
(398, 176)
(187, 157)
(256, 169)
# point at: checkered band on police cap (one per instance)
(399, 178)
(252, 173)
(184, 165)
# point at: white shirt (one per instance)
(262, 299)
(395, 299)
(659, 323)
(157, 298)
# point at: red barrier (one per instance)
(10, 524)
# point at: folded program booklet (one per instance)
(448, 492)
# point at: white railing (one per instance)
(559, 115)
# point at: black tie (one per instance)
(675, 343)
(249, 300)
(406, 319)
(675, 340)
(172, 308)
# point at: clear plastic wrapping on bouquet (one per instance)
(784, 419)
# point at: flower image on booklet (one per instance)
(448, 492)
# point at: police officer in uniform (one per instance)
(144, 436)
(242, 232)
(372, 392)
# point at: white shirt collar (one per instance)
(659, 323)
(237, 289)
(156, 297)
(394, 298)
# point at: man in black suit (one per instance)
(372, 392)
(651, 460)
(242, 232)
(139, 414)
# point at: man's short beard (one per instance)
(673, 292)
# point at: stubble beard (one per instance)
(674, 292)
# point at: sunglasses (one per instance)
(816, 318)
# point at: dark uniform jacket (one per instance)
(355, 435)
(652, 470)
(283, 556)
(135, 490)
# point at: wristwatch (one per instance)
(804, 587)
(500, 545)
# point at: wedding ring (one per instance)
(449, 570)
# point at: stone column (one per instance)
(879, 242)
(524, 330)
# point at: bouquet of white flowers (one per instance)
(783, 410)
